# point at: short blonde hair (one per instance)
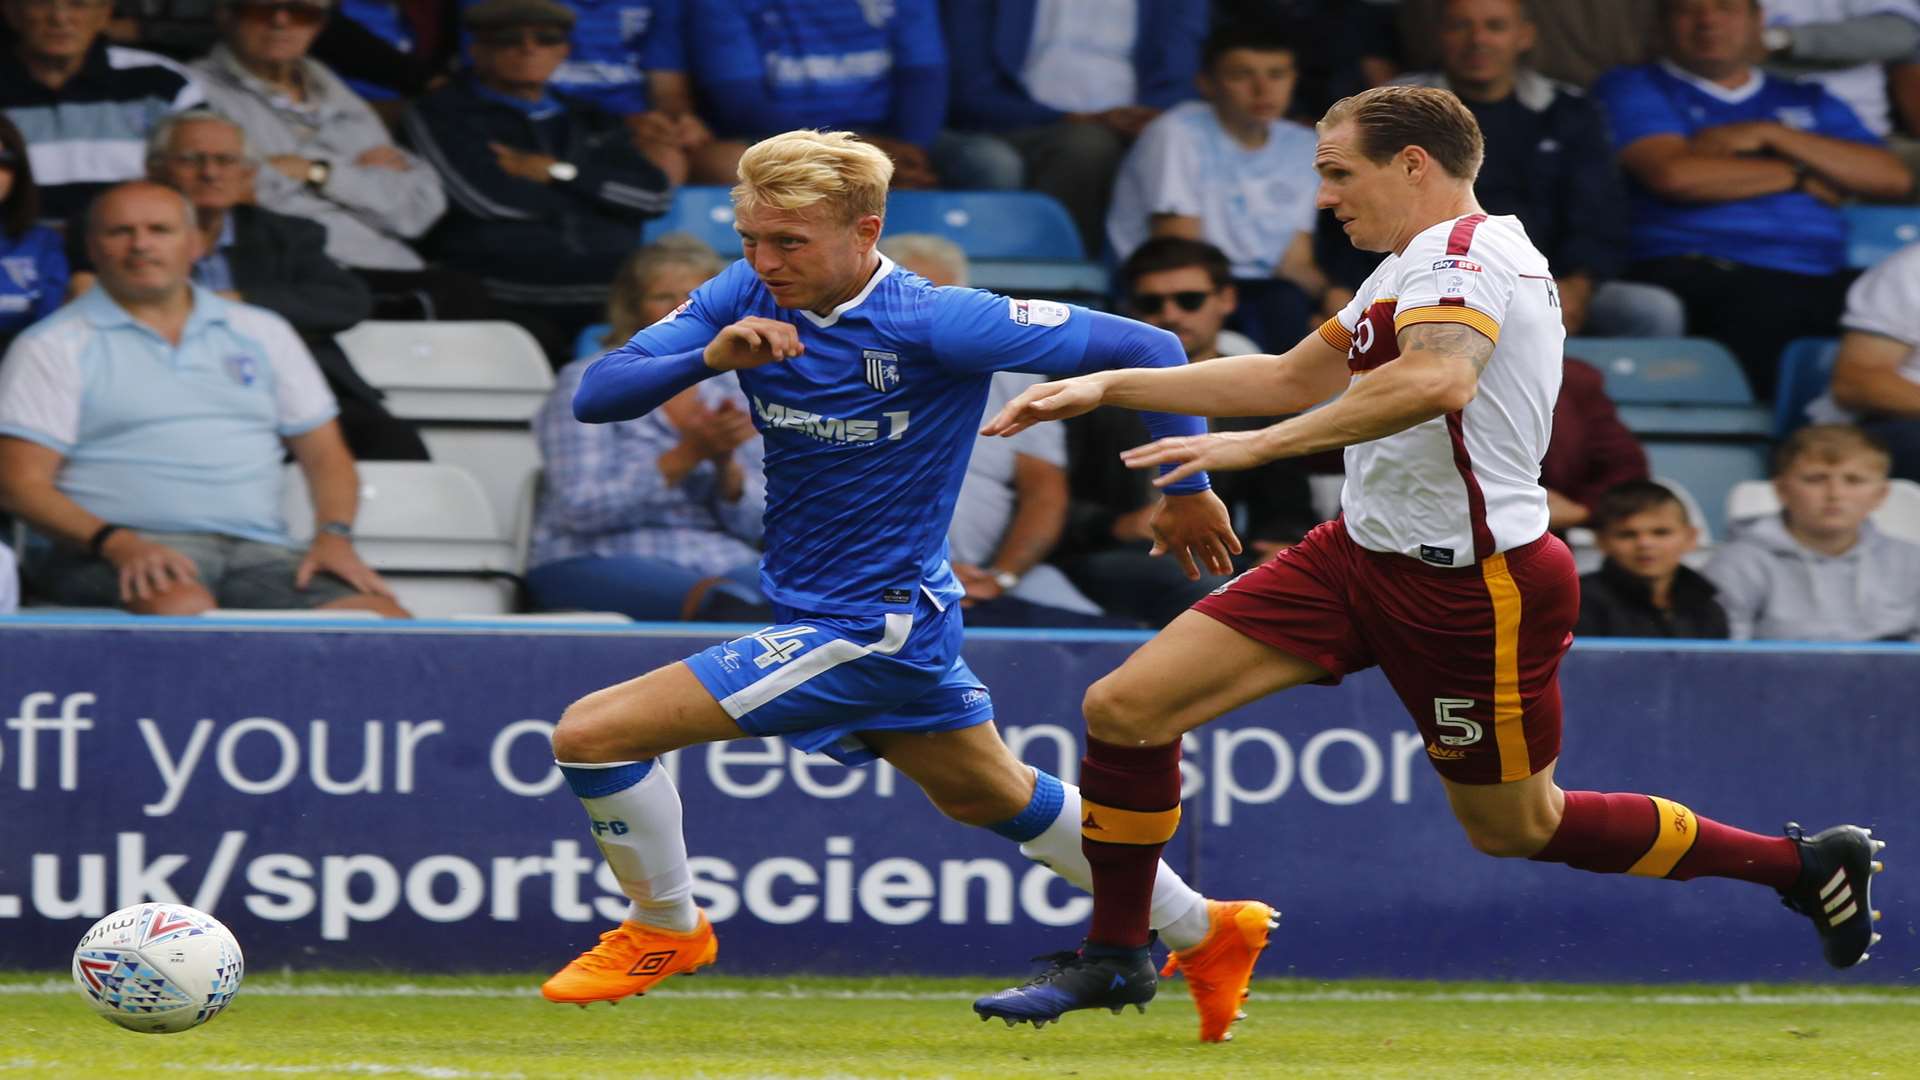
(1829, 444)
(798, 170)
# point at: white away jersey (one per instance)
(1463, 486)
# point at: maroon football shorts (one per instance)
(1472, 651)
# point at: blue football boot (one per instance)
(1093, 977)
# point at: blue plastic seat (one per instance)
(1806, 369)
(1875, 232)
(705, 212)
(1679, 386)
(1708, 470)
(1022, 225)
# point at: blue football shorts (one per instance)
(819, 681)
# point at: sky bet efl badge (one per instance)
(1455, 278)
(883, 369)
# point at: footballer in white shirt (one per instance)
(1442, 374)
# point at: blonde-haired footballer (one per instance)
(1440, 569)
(868, 384)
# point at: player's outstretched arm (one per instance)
(1437, 372)
(1254, 385)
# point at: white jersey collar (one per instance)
(1756, 79)
(824, 321)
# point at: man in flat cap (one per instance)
(531, 172)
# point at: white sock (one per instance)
(1179, 913)
(638, 832)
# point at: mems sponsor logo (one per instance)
(777, 417)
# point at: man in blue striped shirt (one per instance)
(876, 68)
(867, 384)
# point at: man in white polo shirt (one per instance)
(142, 429)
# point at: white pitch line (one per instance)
(351, 1068)
(1741, 996)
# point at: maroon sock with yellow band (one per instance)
(1654, 837)
(1129, 809)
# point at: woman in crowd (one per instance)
(657, 517)
(34, 281)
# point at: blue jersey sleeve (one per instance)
(977, 331)
(1636, 107)
(661, 360)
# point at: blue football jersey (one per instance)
(868, 431)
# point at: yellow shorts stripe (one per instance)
(1112, 825)
(1677, 832)
(1509, 731)
(1450, 313)
(1336, 335)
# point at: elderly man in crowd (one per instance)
(142, 429)
(327, 156)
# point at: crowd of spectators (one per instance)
(1683, 164)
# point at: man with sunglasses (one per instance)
(533, 171)
(1184, 287)
(83, 105)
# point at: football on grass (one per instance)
(158, 968)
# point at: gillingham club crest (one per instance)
(883, 369)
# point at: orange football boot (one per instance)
(1218, 969)
(631, 959)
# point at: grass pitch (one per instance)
(484, 1028)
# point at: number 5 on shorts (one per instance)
(1469, 731)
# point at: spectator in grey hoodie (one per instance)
(1820, 571)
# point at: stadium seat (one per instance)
(1017, 242)
(703, 211)
(1875, 232)
(429, 529)
(1020, 225)
(525, 502)
(1899, 516)
(1675, 386)
(1806, 369)
(1708, 471)
(499, 456)
(470, 371)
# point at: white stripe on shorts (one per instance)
(823, 659)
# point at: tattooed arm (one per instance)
(1437, 372)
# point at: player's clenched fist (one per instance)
(751, 342)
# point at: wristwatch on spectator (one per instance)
(563, 171)
(317, 173)
(341, 529)
(1006, 579)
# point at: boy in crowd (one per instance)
(1820, 571)
(1234, 172)
(1643, 589)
